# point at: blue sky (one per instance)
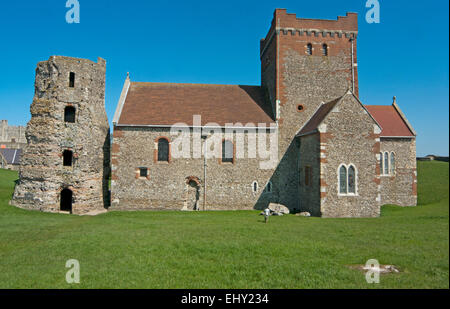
(218, 42)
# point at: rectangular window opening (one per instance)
(72, 80)
(143, 172)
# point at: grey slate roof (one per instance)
(12, 156)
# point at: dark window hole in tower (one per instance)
(72, 80)
(69, 114)
(67, 157)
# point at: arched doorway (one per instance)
(191, 201)
(66, 200)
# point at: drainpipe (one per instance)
(353, 66)
(204, 137)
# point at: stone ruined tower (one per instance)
(65, 166)
(304, 62)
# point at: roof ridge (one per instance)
(195, 84)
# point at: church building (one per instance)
(335, 156)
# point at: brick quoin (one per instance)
(324, 137)
(117, 132)
(115, 148)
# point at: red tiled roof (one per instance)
(390, 120)
(167, 104)
(318, 117)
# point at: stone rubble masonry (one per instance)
(348, 135)
(42, 174)
(228, 185)
(400, 188)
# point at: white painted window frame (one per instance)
(253, 187)
(347, 166)
(383, 163)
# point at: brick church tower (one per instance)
(65, 166)
(304, 63)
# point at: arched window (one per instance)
(351, 180)
(343, 180)
(227, 152)
(386, 163)
(69, 114)
(325, 50)
(347, 180)
(269, 187)
(392, 163)
(67, 157)
(163, 150)
(255, 186)
(309, 49)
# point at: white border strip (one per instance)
(123, 96)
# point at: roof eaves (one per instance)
(307, 133)
(387, 136)
(194, 126)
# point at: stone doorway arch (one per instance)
(66, 200)
(192, 193)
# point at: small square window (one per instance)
(143, 172)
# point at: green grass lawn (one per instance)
(228, 249)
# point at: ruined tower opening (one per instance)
(69, 114)
(66, 200)
(67, 157)
(72, 80)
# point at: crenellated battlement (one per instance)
(289, 24)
